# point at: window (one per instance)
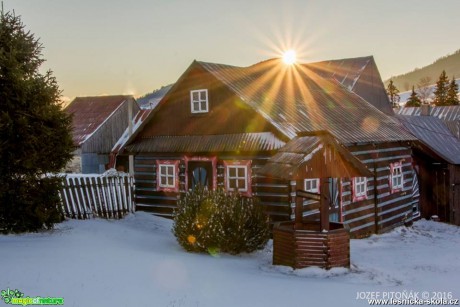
(311, 185)
(396, 177)
(167, 175)
(359, 188)
(238, 176)
(199, 101)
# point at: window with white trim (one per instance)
(199, 101)
(359, 188)
(167, 175)
(238, 176)
(311, 185)
(397, 177)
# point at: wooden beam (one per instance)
(324, 204)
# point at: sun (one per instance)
(289, 57)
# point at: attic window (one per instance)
(199, 101)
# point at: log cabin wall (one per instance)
(383, 209)
(375, 214)
(273, 194)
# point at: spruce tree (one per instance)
(452, 93)
(413, 100)
(440, 93)
(393, 94)
(35, 134)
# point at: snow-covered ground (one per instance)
(137, 262)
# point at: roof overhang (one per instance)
(314, 155)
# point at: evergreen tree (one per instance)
(413, 100)
(452, 93)
(393, 94)
(35, 134)
(440, 93)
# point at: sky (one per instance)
(97, 47)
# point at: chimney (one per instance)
(425, 110)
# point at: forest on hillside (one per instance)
(449, 63)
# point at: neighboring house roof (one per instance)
(442, 112)
(359, 75)
(433, 133)
(296, 99)
(454, 127)
(89, 113)
(244, 142)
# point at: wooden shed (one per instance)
(436, 157)
(98, 123)
(220, 124)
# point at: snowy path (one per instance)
(137, 262)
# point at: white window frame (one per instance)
(237, 178)
(395, 176)
(163, 173)
(311, 185)
(359, 188)
(200, 100)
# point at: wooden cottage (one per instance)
(98, 123)
(219, 125)
(436, 157)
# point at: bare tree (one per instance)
(424, 91)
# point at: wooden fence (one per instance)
(87, 196)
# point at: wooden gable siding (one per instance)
(227, 113)
(273, 194)
(107, 135)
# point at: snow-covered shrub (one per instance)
(213, 221)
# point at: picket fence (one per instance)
(88, 196)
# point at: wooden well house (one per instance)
(307, 241)
(220, 124)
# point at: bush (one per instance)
(213, 221)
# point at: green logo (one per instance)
(16, 297)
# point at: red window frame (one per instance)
(245, 163)
(354, 186)
(174, 163)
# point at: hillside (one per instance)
(449, 63)
(151, 99)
